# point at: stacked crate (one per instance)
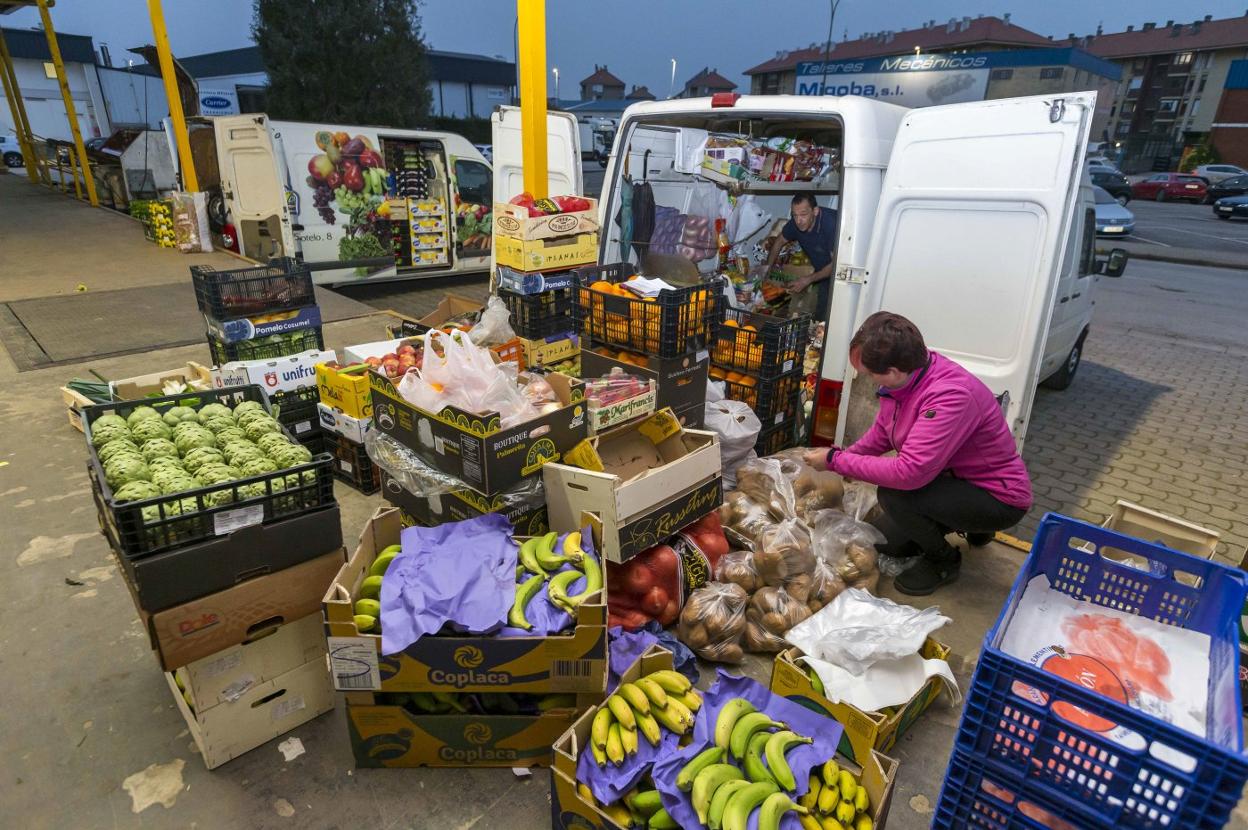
(665, 338)
(226, 580)
(420, 221)
(759, 359)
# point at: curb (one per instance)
(1180, 259)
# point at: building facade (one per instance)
(1229, 131)
(36, 78)
(706, 83)
(602, 86)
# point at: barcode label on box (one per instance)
(236, 689)
(788, 364)
(286, 705)
(347, 466)
(302, 427)
(353, 661)
(222, 664)
(232, 520)
(572, 668)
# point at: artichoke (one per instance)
(213, 410)
(271, 442)
(188, 441)
(252, 491)
(179, 414)
(136, 491)
(158, 447)
(140, 413)
(177, 484)
(258, 467)
(291, 455)
(241, 451)
(217, 474)
(101, 434)
(247, 406)
(201, 456)
(229, 435)
(123, 469)
(248, 415)
(148, 428)
(259, 426)
(107, 451)
(217, 423)
(164, 462)
(109, 418)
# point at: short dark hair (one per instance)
(889, 341)
(807, 197)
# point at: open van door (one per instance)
(252, 186)
(970, 234)
(563, 154)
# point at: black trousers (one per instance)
(916, 521)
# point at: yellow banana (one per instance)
(692, 700)
(862, 801)
(829, 797)
(848, 786)
(679, 710)
(656, 693)
(669, 719)
(618, 813)
(586, 794)
(615, 746)
(672, 681)
(863, 822)
(598, 731)
(809, 822)
(635, 697)
(572, 547)
(628, 738)
(831, 769)
(649, 727)
(729, 714)
(830, 823)
(622, 711)
(811, 799)
(845, 811)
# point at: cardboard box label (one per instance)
(248, 328)
(229, 521)
(285, 706)
(284, 374)
(347, 392)
(652, 528)
(238, 688)
(353, 663)
(223, 664)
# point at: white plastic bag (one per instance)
(494, 327)
(465, 376)
(747, 219)
(738, 428)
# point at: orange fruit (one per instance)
(733, 323)
(717, 373)
(603, 286)
(746, 380)
(748, 327)
(734, 377)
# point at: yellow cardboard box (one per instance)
(864, 731)
(570, 662)
(347, 393)
(550, 350)
(546, 254)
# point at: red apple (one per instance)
(406, 348)
(373, 362)
(389, 356)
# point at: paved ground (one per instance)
(1184, 225)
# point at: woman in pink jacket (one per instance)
(953, 465)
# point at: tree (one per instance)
(344, 61)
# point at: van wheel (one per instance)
(1161, 196)
(1065, 376)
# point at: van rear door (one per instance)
(253, 190)
(969, 237)
(563, 154)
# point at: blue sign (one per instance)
(215, 102)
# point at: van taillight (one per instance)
(827, 410)
(724, 99)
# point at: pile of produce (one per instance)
(551, 206)
(348, 171)
(541, 568)
(474, 227)
(662, 700)
(147, 455)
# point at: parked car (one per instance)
(11, 151)
(1231, 206)
(1101, 161)
(1115, 183)
(1214, 173)
(1234, 186)
(1112, 219)
(1163, 186)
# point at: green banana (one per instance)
(556, 701)
(744, 801)
(774, 808)
(745, 728)
(383, 560)
(815, 682)
(450, 700)
(648, 726)
(644, 803)
(635, 697)
(777, 745)
(729, 714)
(662, 820)
(557, 591)
(593, 579)
(623, 712)
(656, 693)
(707, 781)
(715, 815)
(545, 552)
(518, 617)
(699, 762)
(528, 557)
(755, 769)
(424, 701)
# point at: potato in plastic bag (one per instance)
(826, 584)
(766, 483)
(771, 613)
(784, 551)
(743, 519)
(737, 567)
(713, 621)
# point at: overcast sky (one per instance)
(636, 39)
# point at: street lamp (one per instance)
(556, 71)
(671, 87)
(827, 48)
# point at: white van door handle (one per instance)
(1076, 296)
(1064, 299)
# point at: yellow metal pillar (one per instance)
(190, 182)
(70, 111)
(531, 22)
(18, 108)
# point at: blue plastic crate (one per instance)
(976, 794)
(1146, 773)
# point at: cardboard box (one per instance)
(173, 577)
(377, 348)
(210, 624)
(679, 382)
(864, 731)
(429, 242)
(390, 735)
(554, 349)
(692, 417)
(514, 222)
(533, 282)
(263, 325)
(527, 514)
(546, 254)
(340, 423)
(427, 225)
(643, 481)
(283, 374)
(349, 393)
(450, 307)
(263, 712)
(724, 159)
(604, 417)
(474, 448)
(571, 662)
(1162, 528)
(141, 386)
(224, 677)
(425, 207)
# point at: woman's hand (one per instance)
(816, 457)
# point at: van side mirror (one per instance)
(1114, 264)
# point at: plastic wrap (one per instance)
(848, 546)
(713, 620)
(825, 585)
(494, 327)
(743, 519)
(769, 616)
(737, 427)
(737, 567)
(457, 372)
(419, 479)
(783, 553)
(765, 482)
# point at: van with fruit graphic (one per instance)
(388, 203)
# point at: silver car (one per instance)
(1112, 219)
(1214, 173)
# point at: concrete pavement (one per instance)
(1183, 233)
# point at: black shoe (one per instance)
(929, 573)
(978, 540)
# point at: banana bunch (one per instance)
(724, 795)
(540, 567)
(660, 700)
(640, 807)
(835, 801)
(368, 606)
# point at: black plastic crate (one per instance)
(314, 440)
(281, 285)
(296, 410)
(672, 324)
(535, 316)
(352, 464)
(265, 348)
(217, 507)
(760, 344)
(772, 440)
(774, 401)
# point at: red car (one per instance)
(1163, 186)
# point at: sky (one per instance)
(637, 39)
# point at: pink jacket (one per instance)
(944, 419)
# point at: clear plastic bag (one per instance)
(743, 519)
(737, 427)
(494, 327)
(769, 616)
(764, 480)
(783, 553)
(737, 567)
(713, 622)
(826, 586)
(848, 545)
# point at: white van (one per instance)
(970, 219)
(287, 188)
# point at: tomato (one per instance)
(655, 601)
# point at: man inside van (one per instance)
(814, 229)
(940, 453)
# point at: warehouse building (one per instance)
(36, 78)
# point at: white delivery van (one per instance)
(970, 219)
(288, 188)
